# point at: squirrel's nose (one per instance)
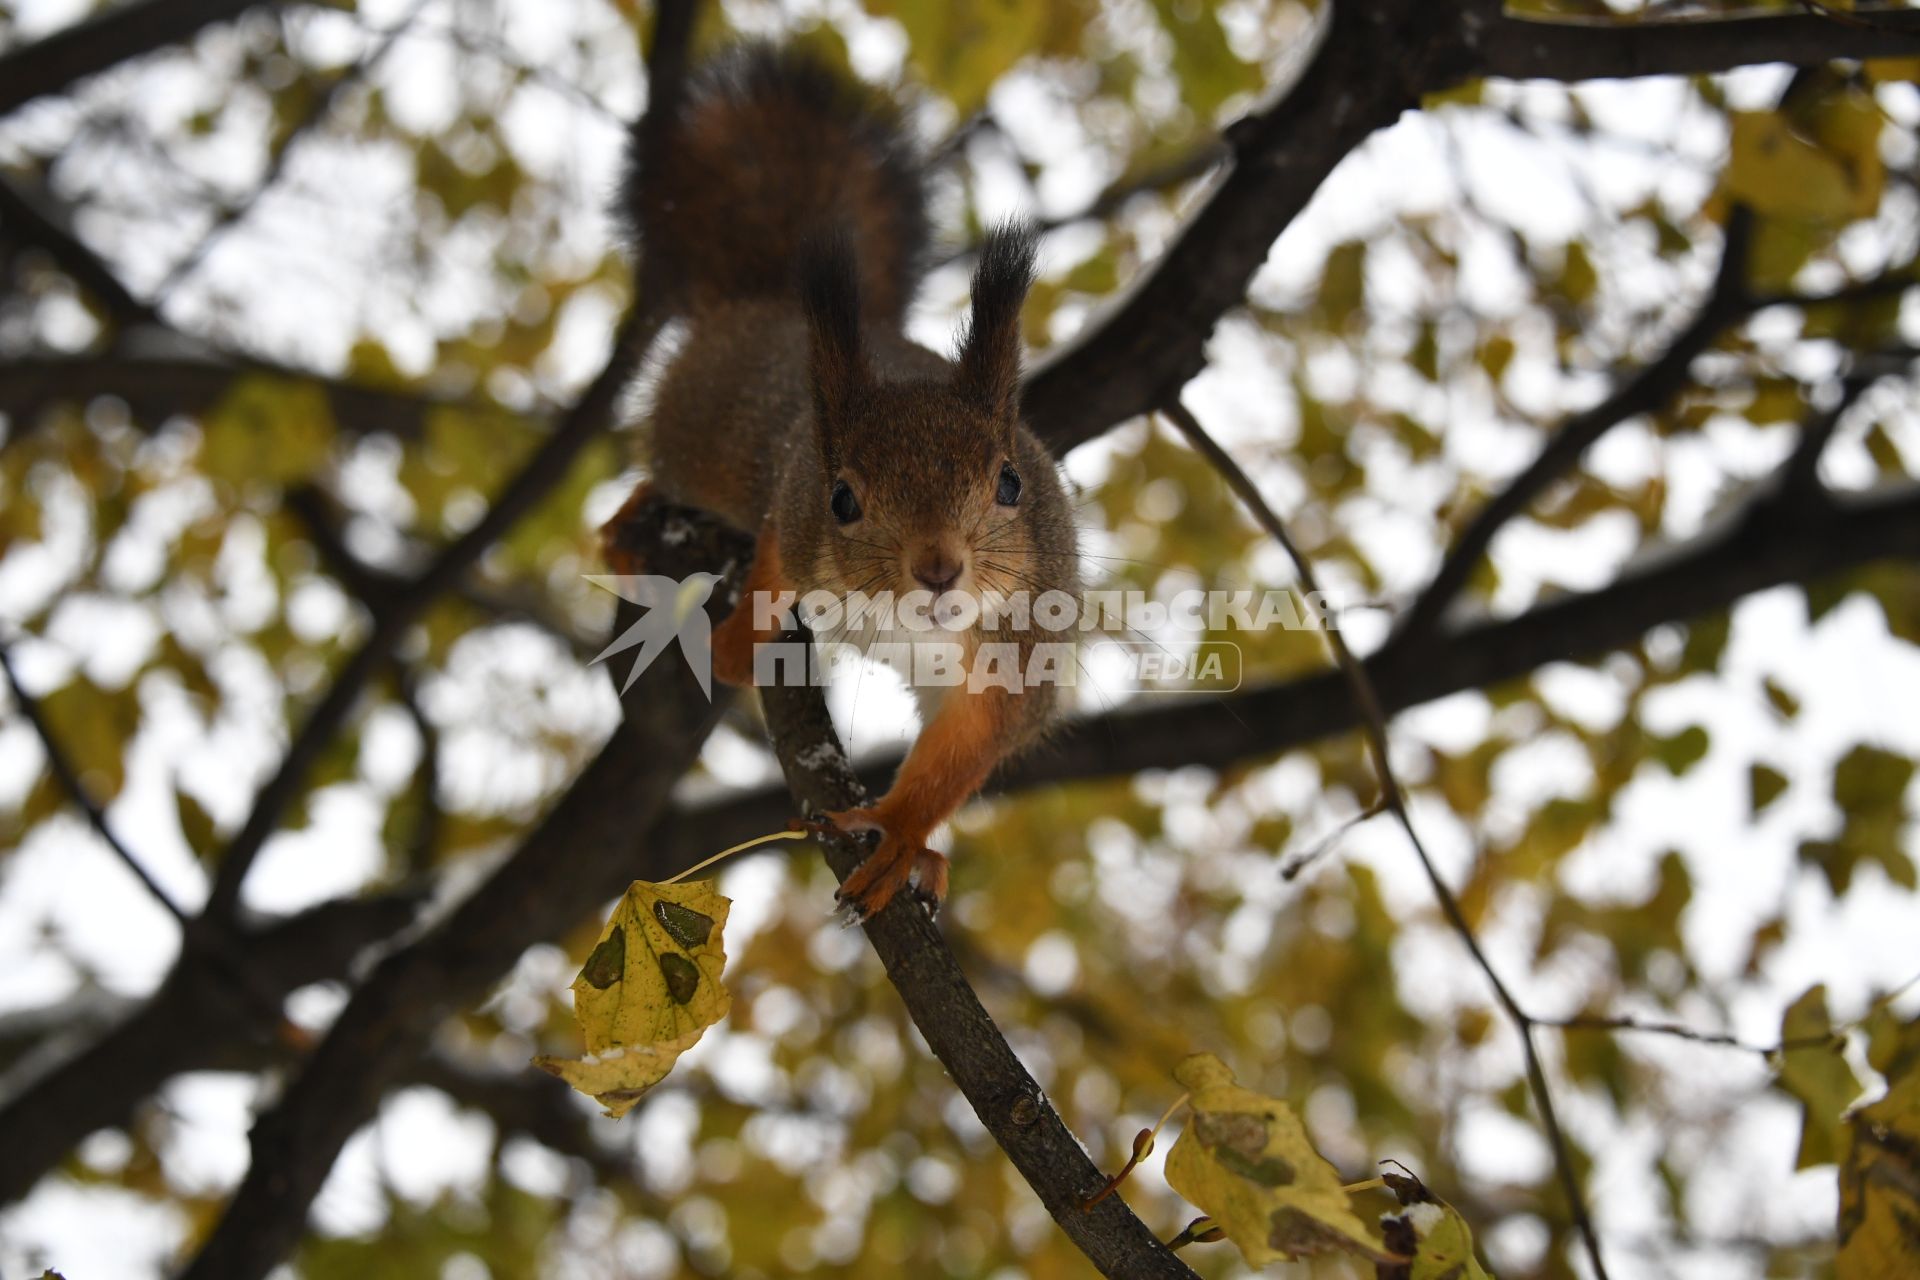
(936, 570)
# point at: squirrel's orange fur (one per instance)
(791, 212)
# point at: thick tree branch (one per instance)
(1155, 340)
(1522, 49)
(548, 466)
(957, 1028)
(610, 794)
(158, 386)
(577, 857)
(589, 415)
(201, 1017)
(522, 1102)
(56, 62)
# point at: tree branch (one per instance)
(1802, 467)
(1523, 49)
(156, 386)
(52, 64)
(378, 588)
(1155, 340)
(69, 779)
(1373, 730)
(548, 466)
(579, 855)
(27, 217)
(949, 1015)
(201, 1017)
(666, 74)
(1645, 392)
(614, 792)
(317, 111)
(1776, 540)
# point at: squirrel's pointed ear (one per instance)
(830, 295)
(988, 371)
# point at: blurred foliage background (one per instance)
(365, 253)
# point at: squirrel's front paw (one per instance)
(902, 861)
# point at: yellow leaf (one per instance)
(95, 728)
(618, 1078)
(1818, 1075)
(1880, 1188)
(1446, 1245)
(963, 47)
(268, 429)
(1204, 63)
(1892, 70)
(648, 991)
(1579, 279)
(1433, 1230)
(1343, 281)
(1785, 175)
(1244, 1160)
(1893, 1046)
(196, 826)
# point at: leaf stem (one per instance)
(1142, 1148)
(704, 863)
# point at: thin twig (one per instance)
(1373, 728)
(1855, 20)
(1724, 1040)
(317, 112)
(1191, 164)
(1646, 391)
(70, 781)
(424, 839)
(377, 587)
(548, 466)
(1294, 863)
(1680, 1031)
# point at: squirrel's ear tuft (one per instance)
(989, 362)
(830, 295)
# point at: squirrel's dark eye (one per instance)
(846, 507)
(1009, 491)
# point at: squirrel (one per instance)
(789, 210)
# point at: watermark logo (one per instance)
(1212, 666)
(676, 610)
(959, 639)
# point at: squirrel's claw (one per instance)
(897, 863)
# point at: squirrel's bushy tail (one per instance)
(771, 148)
